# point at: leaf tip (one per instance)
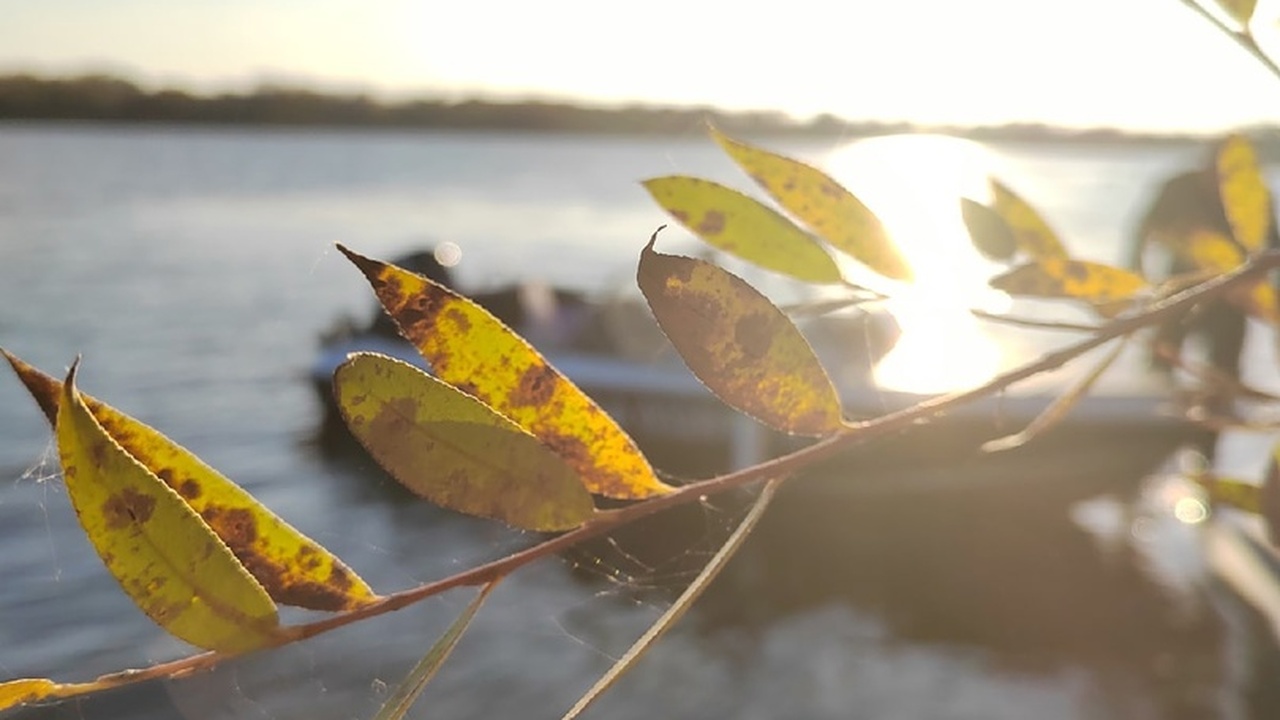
(69, 385)
(654, 238)
(366, 265)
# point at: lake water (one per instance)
(193, 271)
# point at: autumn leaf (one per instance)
(1031, 233)
(470, 349)
(830, 211)
(293, 569)
(738, 224)
(1245, 197)
(1211, 251)
(739, 344)
(27, 690)
(1104, 286)
(163, 555)
(455, 451)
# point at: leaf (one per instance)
(293, 569)
(990, 234)
(407, 692)
(1032, 234)
(159, 550)
(682, 603)
(1059, 408)
(1231, 492)
(1240, 10)
(454, 450)
(832, 212)
(32, 690)
(472, 350)
(1208, 250)
(738, 344)
(740, 225)
(1054, 277)
(1246, 200)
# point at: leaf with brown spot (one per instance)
(738, 224)
(1032, 234)
(1215, 252)
(831, 212)
(454, 450)
(262, 541)
(164, 556)
(1246, 200)
(1103, 286)
(467, 347)
(739, 344)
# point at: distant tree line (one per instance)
(108, 98)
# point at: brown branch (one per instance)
(1243, 38)
(786, 465)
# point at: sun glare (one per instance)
(914, 184)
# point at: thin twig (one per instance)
(1034, 324)
(1243, 38)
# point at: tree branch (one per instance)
(784, 466)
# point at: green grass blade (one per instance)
(408, 691)
(682, 603)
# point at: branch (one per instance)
(1242, 37)
(784, 466)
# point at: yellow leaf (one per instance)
(988, 231)
(1246, 200)
(739, 344)
(832, 212)
(159, 550)
(1232, 492)
(293, 569)
(454, 450)
(472, 350)
(27, 691)
(1032, 234)
(1240, 10)
(1101, 285)
(740, 225)
(1208, 250)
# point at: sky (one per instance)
(1131, 64)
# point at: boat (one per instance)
(614, 351)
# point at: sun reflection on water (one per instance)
(914, 183)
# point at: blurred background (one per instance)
(173, 177)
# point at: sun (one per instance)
(914, 183)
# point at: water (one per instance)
(193, 271)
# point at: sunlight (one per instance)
(914, 184)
